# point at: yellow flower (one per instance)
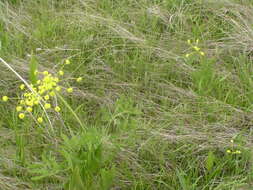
(61, 73)
(202, 53)
(196, 48)
(5, 98)
(47, 106)
(19, 108)
(29, 109)
(58, 88)
(45, 73)
(189, 41)
(56, 79)
(39, 81)
(79, 79)
(35, 72)
(29, 102)
(40, 119)
(52, 93)
(22, 86)
(57, 109)
(238, 152)
(21, 116)
(70, 90)
(22, 102)
(41, 91)
(228, 151)
(34, 89)
(67, 62)
(46, 97)
(187, 55)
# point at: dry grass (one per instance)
(158, 110)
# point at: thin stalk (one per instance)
(72, 111)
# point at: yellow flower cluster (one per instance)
(40, 93)
(195, 47)
(234, 152)
(43, 93)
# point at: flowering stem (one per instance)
(28, 86)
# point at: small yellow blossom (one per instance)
(57, 109)
(35, 72)
(187, 55)
(52, 93)
(79, 79)
(202, 53)
(29, 103)
(237, 152)
(5, 98)
(45, 73)
(47, 106)
(21, 116)
(22, 86)
(18, 108)
(29, 109)
(70, 90)
(228, 151)
(40, 119)
(56, 79)
(34, 89)
(58, 88)
(189, 41)
(196, 48)
(46, 97)
(61, 73)
(41, 91)
(67, 62)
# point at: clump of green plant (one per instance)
(82, 160)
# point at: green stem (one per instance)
(71, 110)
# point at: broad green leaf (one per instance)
(210, 161)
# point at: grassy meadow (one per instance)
(126, 94)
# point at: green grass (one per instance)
(145, 116)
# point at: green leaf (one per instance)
(107, 177)
(182, 179)
(210, 161)
(76, 181)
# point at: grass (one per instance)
(144, 116)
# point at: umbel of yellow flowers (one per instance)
(194, 46)
(42, 94)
